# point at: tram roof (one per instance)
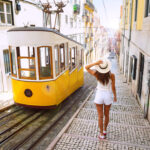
(42, 29)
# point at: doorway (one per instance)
(141, 70)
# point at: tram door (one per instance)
(141, 69)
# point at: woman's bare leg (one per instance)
(106, 112)
(100, 116)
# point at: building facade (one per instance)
(135, 53)
(88, 17)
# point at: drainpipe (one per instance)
(123, 50)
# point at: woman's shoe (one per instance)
(104, 132)
(101, 137)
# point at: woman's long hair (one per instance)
(103, 77)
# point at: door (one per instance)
(131, 69)
(141, 69)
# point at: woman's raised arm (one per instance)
(92, 72)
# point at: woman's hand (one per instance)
(98, 62)
(115, 99)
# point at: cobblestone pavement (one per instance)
(127, 130)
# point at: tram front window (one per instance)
(26, 62)
(45, 62)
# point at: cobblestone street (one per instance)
(127, 128)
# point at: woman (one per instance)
(106, 84)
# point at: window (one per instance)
(66, 55)
(73, 58)
(26, 62)
(56, 60)
(80, 58)
(62, 57)
(136, 6)
(69, 56)
(134, 67)
(71, 22)
(66, 18)
(13, 61)
(6, 61)
(45, 62)
(147, 8)
(6, 13)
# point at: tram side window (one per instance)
(45, 62)
(69, 56)
(13, 61)
(56, 60)
(66, 55)
(80, 58)
(26, 62)
(73, 58)
(62, 57)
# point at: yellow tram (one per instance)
(46, 66)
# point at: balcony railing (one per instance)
(89, 4)
(76, 9)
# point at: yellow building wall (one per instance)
(140, 14)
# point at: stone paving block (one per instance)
(115, 117)
(116, 132)
(70, 142)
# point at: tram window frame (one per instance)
(69, 60)
(66, 55)
(56, 48)
(80, 58)
(73, 66)
(62, 59)
(28, 57)
(11, 64)
(50, 62)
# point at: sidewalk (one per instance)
(127, 129)
(6, 100)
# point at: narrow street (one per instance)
(127, 128)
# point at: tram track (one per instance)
(22, 127)
(34, 133)
(13, 116)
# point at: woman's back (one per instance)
(101, 86)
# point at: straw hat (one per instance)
(104, 67)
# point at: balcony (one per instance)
(89, 4)
(76, 9)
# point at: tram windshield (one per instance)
(24, 60)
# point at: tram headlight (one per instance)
(28, 93)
